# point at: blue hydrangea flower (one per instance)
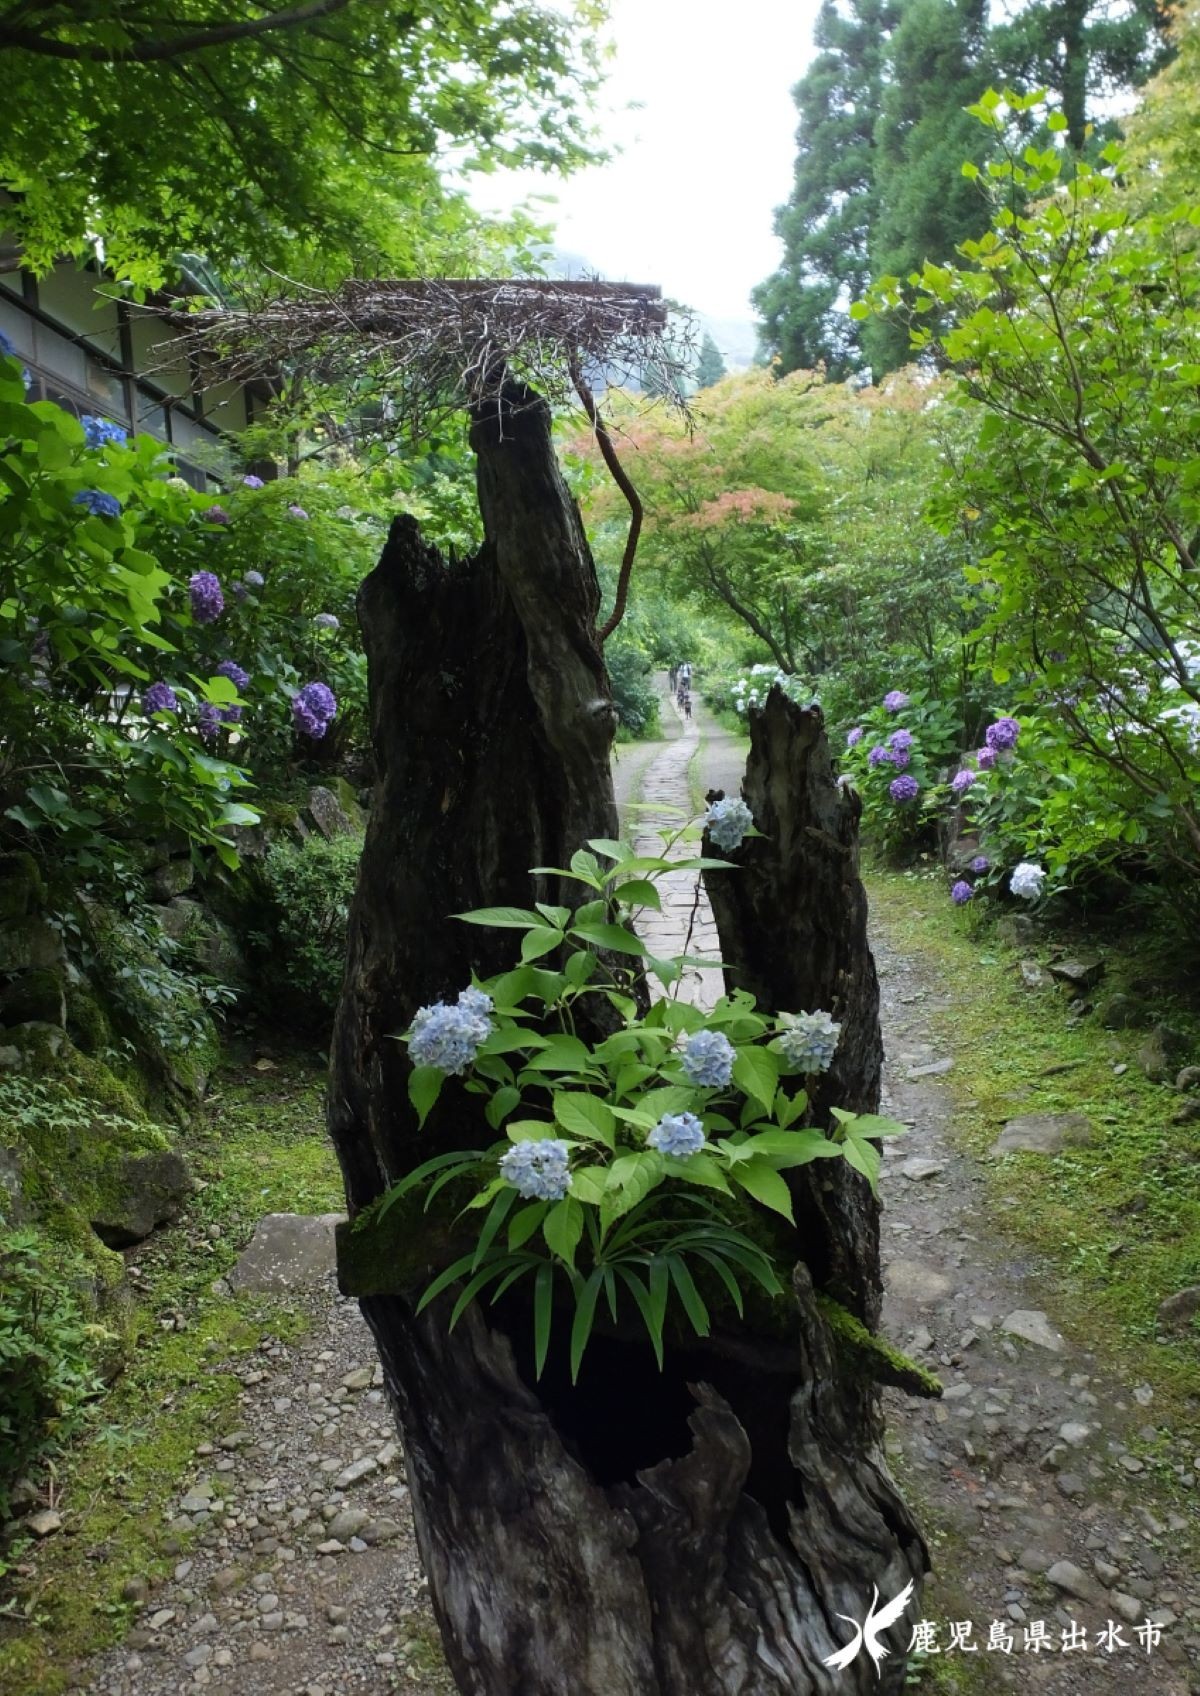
(230, 715)
(1003, 734)
(902, 789)
(313, 709)
(962, 893)
(727, 822)
(208, 722)
(446, 1037)
(327, 621)
(8, 351)
(478, 1006)
(895, 700)
(708, 1059)
(962, 781)
(98, 503)
(901, 740)
(537, 1170)
(854, 737)
(159, 698)
(899, 758)
(986, 758)
(981, 864)
(880, 756)
(99, 432)
(297, 511)
(808, 1041)
(679, 1134)
(254, 579)
(215, 515)
(234, 672)
(208, 603)
(253, 482)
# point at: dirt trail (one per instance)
(305, 1581)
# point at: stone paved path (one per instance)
(685, 924)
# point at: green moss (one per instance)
(1118, 1222)
(21, 888)
(874, 1356)
(88, 1025)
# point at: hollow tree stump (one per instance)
(690, 1533)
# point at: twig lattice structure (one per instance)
(440, 344)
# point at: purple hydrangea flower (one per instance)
(8, 350)
(903, 789)
(537, 1169)
(297, 511)
(899, 758)
(159, 698)
(981, 864)
(238, 589)
(895, 700)
(254, 579)
(808, 1041)
(880, 756)
(208, 722)
(1003, 734)
(208, 603)
(962, 781)
(327, 621)
(901, 739)
(679, 1134)
(253, 482)
(854, 737)
(99, 432)
(98, 503)
(233, 671)
(230, 715)
(962, 893)
(708, 1059)
(313, 709)
(215, 515)
(986, 758)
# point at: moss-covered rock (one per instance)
(36, 994)
(21, 888)
(83, 1158)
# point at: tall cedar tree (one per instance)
(710, 367)
(882, 140)
(924, 205)
(1084, 51)
(825, 226)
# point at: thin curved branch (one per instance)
(147, 51)
(621, 479)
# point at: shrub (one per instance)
(47, 1344)
(633, 692)
(308, 887)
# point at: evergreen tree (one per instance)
(710, 367)
(1083, 51)
(825, 226)
(924, 205)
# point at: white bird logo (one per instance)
(868, 1632)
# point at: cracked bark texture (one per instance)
(692, 1534)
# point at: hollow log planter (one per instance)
(690, 1533)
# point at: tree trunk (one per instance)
(690, 1533)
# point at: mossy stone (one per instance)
(38, 994)
(21, 887)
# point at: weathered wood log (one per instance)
(690, 1533)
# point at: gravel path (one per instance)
(298, 1573)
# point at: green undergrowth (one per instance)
(261, 1150)
(1119, 1220)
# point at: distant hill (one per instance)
(737, 338)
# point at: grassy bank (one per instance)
(1119, 1220)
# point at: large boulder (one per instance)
(1044, 1133)
(288, 1251)
(144, 1191)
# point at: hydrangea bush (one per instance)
(629, 1168)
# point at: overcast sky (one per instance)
(705, 159)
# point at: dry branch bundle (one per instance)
(435, 345)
